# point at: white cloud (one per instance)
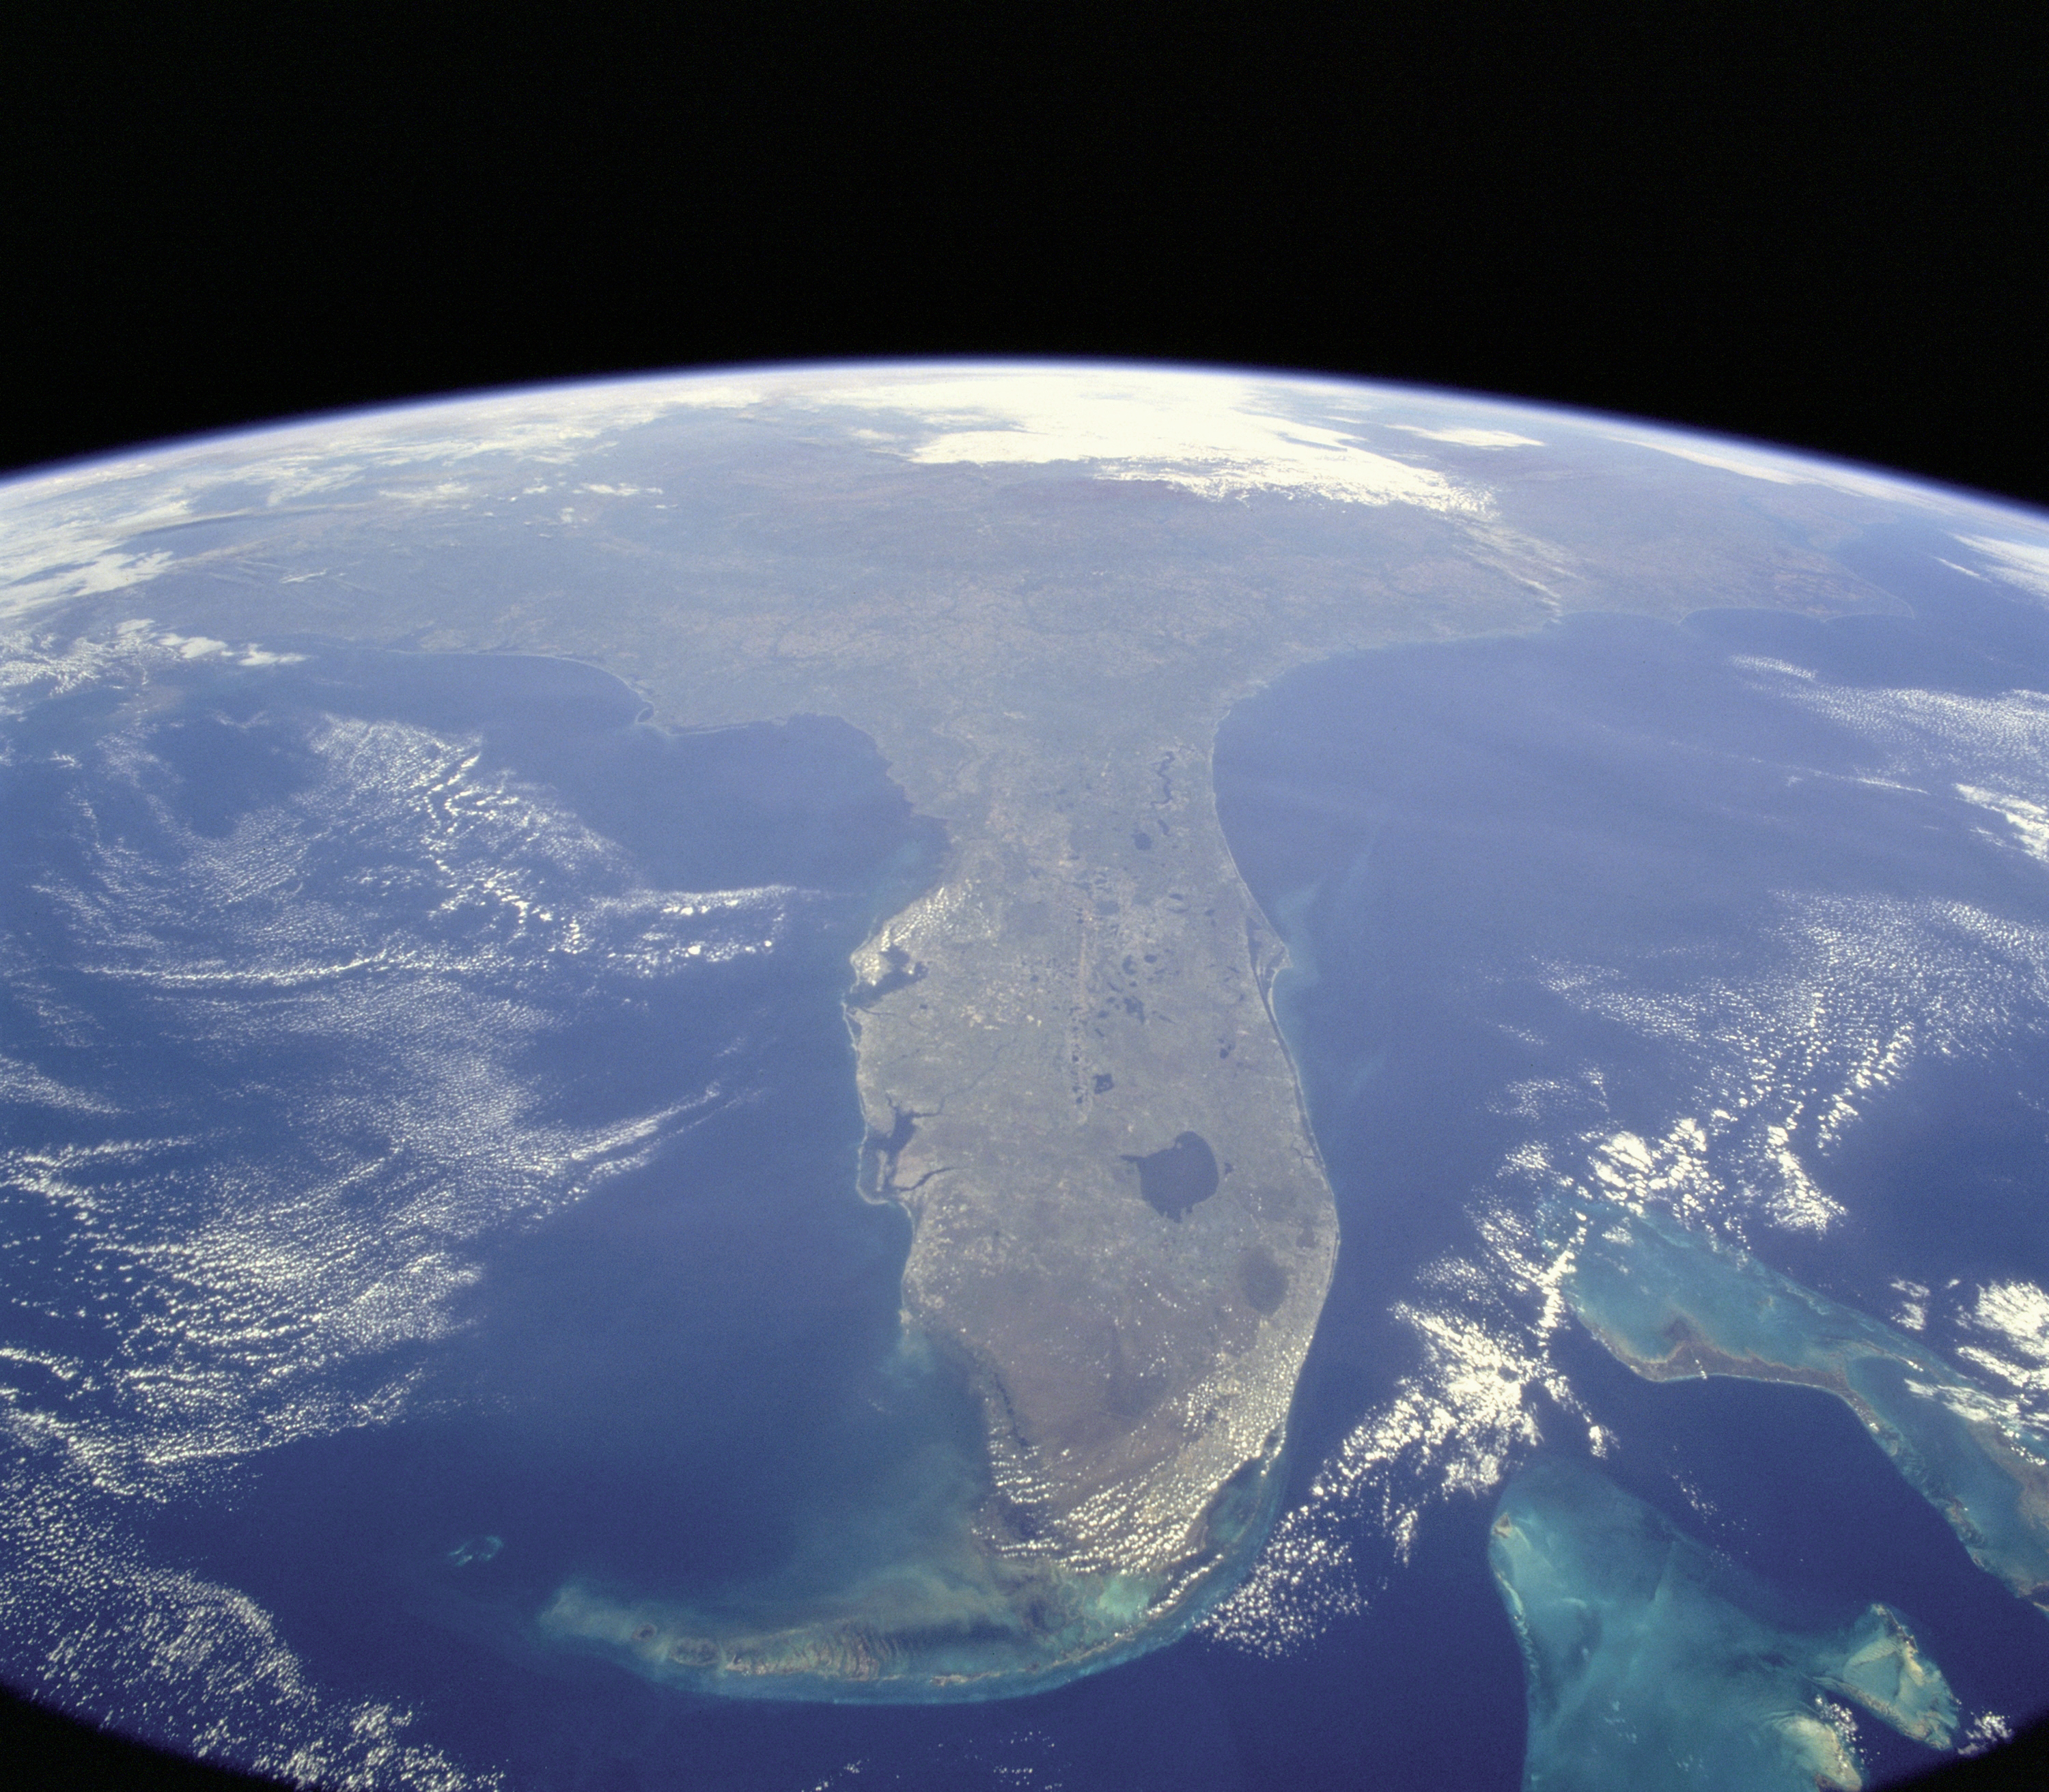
(1472, 438)
(1729, 459)
(1219, 434)
(52, 550)
(2029, 821)
(1779, 466)
(1918, 739)
(2025, 564)
(2008, 1325)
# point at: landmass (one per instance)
(1673, 1304)
(1122, 1235)
(1650, 1662)
(1085, 992)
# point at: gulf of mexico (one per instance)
(686, 1377)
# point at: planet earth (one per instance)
(1023, 1075)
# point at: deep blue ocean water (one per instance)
(1427, 823)
(683, 1378)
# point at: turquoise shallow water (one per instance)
(1654, 1663)
(1672, 1304)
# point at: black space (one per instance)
(1818, 224)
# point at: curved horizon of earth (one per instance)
(704, 1022)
